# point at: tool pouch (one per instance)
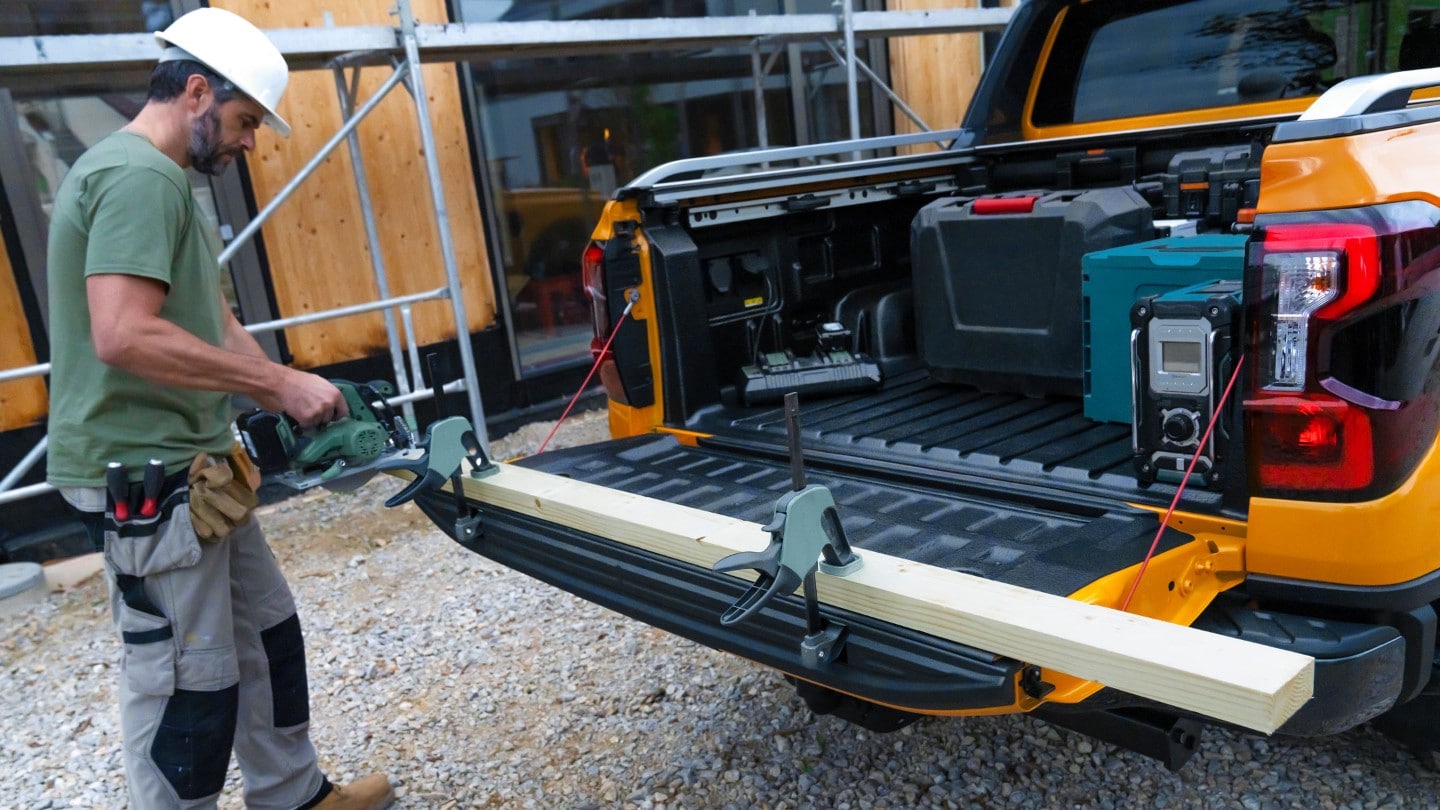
(220, 499)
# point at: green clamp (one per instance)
(447, 445)
(805, 534)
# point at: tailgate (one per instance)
(1029, 539)
(959, 607)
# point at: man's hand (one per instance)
(309, 399)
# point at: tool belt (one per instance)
(222, 493)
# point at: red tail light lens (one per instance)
(592, 269)
(1311, 442)
(1317, 436)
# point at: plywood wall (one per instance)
(316, 242)
(935, 75)
(22, 402)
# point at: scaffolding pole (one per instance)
(309, 168)
(442, 223)
(878, 82)
(852, 83)
(372, 234)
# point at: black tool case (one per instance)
(1002, 280)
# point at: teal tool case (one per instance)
(1113, 280)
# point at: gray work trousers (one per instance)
(213, 656)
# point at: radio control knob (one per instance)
(1180, 427)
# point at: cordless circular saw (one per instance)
(340, 455)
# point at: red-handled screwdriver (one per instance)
(154, 478)
(117, 480)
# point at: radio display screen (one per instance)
(1180, 357)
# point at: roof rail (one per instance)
(1384, 92)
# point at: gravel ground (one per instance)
(474, 686)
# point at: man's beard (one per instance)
(205, 148)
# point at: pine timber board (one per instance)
(318, 255)
(936, 75)
(1234, 681)
(22, 402)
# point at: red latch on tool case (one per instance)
(1004, 205)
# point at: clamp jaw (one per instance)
(447, 446)
(805, 536)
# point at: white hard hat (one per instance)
(235, 49)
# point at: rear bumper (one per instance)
(880, 662)
(1360, 669)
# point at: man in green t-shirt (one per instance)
(144, 355)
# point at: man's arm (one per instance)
(129, 334)
(237, 339)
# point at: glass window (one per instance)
(560, 135)
(1229, 52)
(27, 18)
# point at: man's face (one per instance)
(223, 132)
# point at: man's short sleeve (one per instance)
(136, 217)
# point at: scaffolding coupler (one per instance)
(805, 537)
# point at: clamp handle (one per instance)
(774, 580)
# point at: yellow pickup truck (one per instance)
(1167, 302)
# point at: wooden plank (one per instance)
(72, 572)
(316, 244)
(1234, 681)
(22, 402)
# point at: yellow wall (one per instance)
(22, 402)
(935, 75)
(316, 245)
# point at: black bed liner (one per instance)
(920, 428)
(1008, 535)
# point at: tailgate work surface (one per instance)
(1029, 540)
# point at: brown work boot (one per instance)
(371, 792)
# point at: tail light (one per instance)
(1323, 419)
(592, 269)
(592, 276)
(1314, 271)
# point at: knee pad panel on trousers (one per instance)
(290, 691)
(192, 744)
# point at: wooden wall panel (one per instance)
(935, 75)
(22, 402)
(316, 243)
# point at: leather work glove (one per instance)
(244, 468)
(219, 501)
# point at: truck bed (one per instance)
(917, 428)
(1022, 490)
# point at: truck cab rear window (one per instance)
(1120, 60)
